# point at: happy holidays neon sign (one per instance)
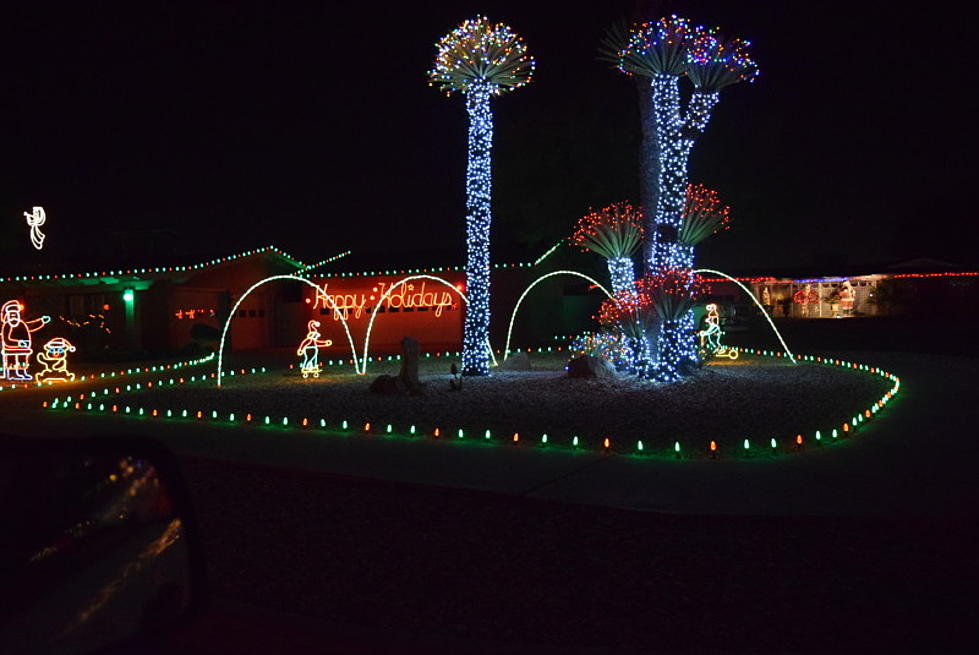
(403, 296)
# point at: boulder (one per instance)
(406, 382)
(519, 361)
(388, 385)
(409, 362)
(588, 366)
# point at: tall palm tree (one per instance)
(663, 51)
(479, 60)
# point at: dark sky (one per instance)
(240, 124)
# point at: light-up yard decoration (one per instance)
(479, 60)
(123, 400)
(309, 350)
(613, 232)
(54, 358)
(710, 336)
(274, 278)
(530, 287)
(758, 304)
(35, 220)
(385, 297)
(17, 343)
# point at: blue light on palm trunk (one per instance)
(475, 358)
(479, 60)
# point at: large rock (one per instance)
(588, 366)
(519, 361)
(406, 382)
(409, 362)
(388, 385)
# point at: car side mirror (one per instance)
(100, 547)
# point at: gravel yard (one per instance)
(754, 397)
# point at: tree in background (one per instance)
(479, 60)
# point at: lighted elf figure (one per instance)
(847, 296)
(309, 350)
(16, 340)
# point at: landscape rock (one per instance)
(588, 366)
(409, 362)
(388, 385)
(406, 382)
(519, 361)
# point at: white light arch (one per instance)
(513, 316)
(760, 306)
(320, 293)
(387, 293)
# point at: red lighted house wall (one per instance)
(425, 310)
(221, 286)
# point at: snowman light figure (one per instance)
(309, 350)
(54, 359)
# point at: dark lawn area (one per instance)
(399, 558)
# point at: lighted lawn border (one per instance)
(137, 370)
(763, 446)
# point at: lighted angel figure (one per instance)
(54, 359)
(16, 340)
(710, 338)
(35, 220)
(309, 350)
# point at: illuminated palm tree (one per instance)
(615, 233)
(664, 51)
(479, 60)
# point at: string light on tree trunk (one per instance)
(479, 60)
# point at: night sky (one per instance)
(217, 127)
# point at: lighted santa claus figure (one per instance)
(766, 300)
(17, 344)
(847, 296)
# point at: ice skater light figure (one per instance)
(35, 220)
(309, 350)
(710, 338)
(54, 359)
(16, 340)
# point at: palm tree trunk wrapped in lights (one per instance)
(673, 294)
(615, 233)
(479, 60)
